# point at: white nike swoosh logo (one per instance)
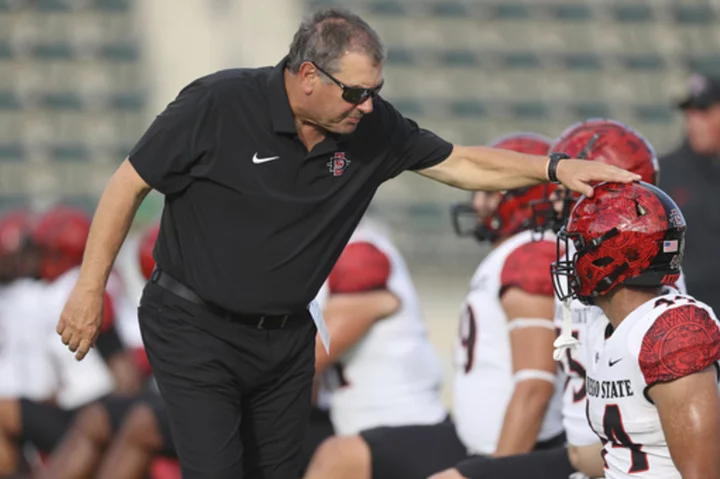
(257, 160)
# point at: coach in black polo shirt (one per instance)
(266, 173)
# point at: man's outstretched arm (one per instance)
(492, 169)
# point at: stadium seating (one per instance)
(71, 99)
(626, 59)
(71, 92)
(474, 69)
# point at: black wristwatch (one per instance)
(553, 164)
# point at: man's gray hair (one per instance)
(327, 35)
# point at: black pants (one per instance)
(417, 452)
(43, 425)
(238, 398)
(413, 452)
(540, 464)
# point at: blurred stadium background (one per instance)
(80, 80)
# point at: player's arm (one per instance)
(348, 317)
(689, 410)
(529, 307)
(587, 459)
(358, 298)
(678, 359)
(531, 342)
(491, 169)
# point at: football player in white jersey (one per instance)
(382, 370)
(611, 142)
(60, 235)
(615, 143)
(31, 306)
(652, 383)
(506, 377)
(83, 452)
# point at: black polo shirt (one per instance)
(245, 230)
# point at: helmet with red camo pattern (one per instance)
(145, 250)
(61, 234)
(513, 212)
(631, 234)
(604, 140)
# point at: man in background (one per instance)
(691, 176)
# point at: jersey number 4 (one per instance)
(618, 437)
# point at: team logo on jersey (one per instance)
(337, 164)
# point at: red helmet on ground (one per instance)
(607, 141)
(15, 228)
(631, 234)
(145, 251)
(513, 212)
(61, 234)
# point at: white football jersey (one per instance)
(393, 375)
(587, 322)
(484, 381)
(26, 363)
(34, 363)
(80, 382)
(664, 339)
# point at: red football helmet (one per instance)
(513, 212)
(631, 234)
(15, 229)
(145, 252)
(607, 141)
(61, 234)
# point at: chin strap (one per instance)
(566, 339)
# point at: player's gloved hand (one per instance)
(80, 321)
(580, 175)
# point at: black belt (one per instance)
(259, 321)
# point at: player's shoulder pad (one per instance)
(528, 267)
(362, 266)
(682, 340)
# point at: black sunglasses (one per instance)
(352, 94)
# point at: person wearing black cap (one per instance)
(266, 172)
(691, 176)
